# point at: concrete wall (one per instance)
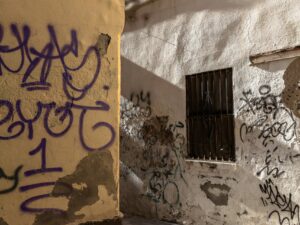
(59, 111)
(168, 39)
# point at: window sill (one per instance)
(211, 162)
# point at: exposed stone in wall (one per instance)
(217, 193)
(103, 43)
(291, 92)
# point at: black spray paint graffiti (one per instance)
(287, 212)
(12, 126)
(271, 170)
(269, 110)
(162, 144)
(13, 178)
(273, 121)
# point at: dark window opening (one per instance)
(210, 118)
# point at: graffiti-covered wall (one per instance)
(59, 111)
(163, 42)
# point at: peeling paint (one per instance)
(103, 43)
(217, 193)
(94, 170)
(2, 222)
(245, 212)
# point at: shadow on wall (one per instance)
(151, 142)
(157, 182)
(172, 10)
(166, 98)
(263, 172)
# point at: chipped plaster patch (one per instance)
(103, 43)
(2, 222)
(217, 193)
(80, 186)
(94, 170)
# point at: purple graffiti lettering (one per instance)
(7, 118)
(28, 121)
(14, 178)
(46, 184)
(34, 186)
(64, 111)
(41, 148)
(52, 51)
(4, 49)
(63, 114)
(25, 208)
(97, 125)
(24, 205)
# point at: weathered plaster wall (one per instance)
(166, 40)
(59, 111)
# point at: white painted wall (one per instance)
(163, 42)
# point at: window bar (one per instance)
(212, 117)
(231, 116)
(200, 119)
(219, 155)
(206, 117)
(226, 122)
(192, 115)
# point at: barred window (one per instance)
(210, 118)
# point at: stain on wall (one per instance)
(217, 193)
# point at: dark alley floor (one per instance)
(141, 221)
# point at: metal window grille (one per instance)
(210, 119)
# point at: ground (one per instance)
(140, 221)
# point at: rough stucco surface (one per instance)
(59, 111)
(166, 40)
